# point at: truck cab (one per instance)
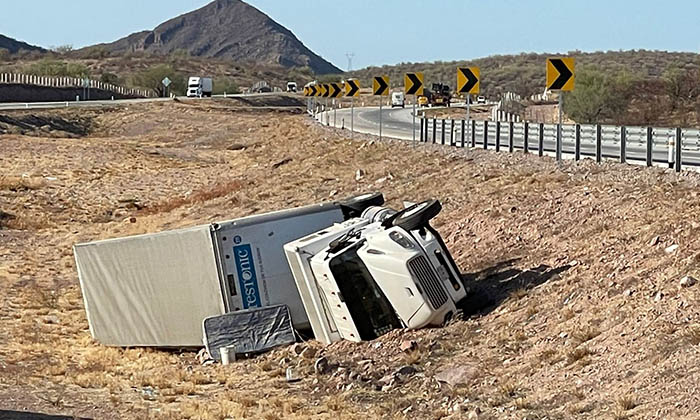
(291, 86)
(194, 87)
(398, 99)
(365, 276)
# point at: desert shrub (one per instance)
(225, 84)
(48, 67)
(152, 78)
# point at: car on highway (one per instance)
(398, 99)
(481, 100)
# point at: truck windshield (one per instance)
(369, 308)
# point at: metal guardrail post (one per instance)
(452, 132)
(473, 131)
(599, 144)
(577, 145)
(558, 145)
(486, 134)
(510, 137)
(540, 143)
(623, 145)
(525, 134)
(679, 147)
(422, 126)
(650, 146)
(434, 130)
(463, 133)
(442, 135)
(498, 136)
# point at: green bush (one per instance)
(225, 84)
(56, 68)
(599, 97)
(152, 78)
(110, 78)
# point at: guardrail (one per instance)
(71, 82)
(675, 147)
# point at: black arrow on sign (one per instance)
(472, 80)
(335, 90)
(382, 86)
(353, 88)
(416, 84)
(564, 74)
(312, 90)
(327, 91)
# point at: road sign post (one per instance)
(380, 87)
(166, 83)
(560, 77)
(468, 82)
(413, 85)
(352, 89)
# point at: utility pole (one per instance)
(350, 56)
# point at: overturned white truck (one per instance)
(156, 289)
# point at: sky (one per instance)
(381, 32)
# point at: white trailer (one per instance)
(156, 289)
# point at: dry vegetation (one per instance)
(587, 318)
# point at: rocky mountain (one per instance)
(14, 46)
(230, 29)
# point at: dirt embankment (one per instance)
(580, 265)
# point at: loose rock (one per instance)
(322, 366)
(408, 345)
(688, 281)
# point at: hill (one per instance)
(227, 29)
(14, 46)
(525, 73)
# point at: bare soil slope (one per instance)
(576, 268)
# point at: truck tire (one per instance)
(417, 215)
(354, 206)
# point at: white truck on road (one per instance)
(199, 87)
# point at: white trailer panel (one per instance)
(150, 290)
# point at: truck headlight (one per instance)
(400, 239)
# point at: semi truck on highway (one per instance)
(198, 87)
(346, 270)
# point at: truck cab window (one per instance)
(369, 308)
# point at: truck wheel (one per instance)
(417, 215)
(354, 206)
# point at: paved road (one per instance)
(398, 123)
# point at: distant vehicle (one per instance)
(291, 86)
(423, 100)
(398, 99)
(198, 87)
(481, 100)
(441, 95)
(261, 87)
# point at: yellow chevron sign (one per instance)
(560, 74)
(380, 86)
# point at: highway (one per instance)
(397, 123)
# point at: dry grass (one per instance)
(578, 354)
(584, 334)
(197, 197)
(22, 183)
(626, 402)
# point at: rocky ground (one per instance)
(584, 274)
